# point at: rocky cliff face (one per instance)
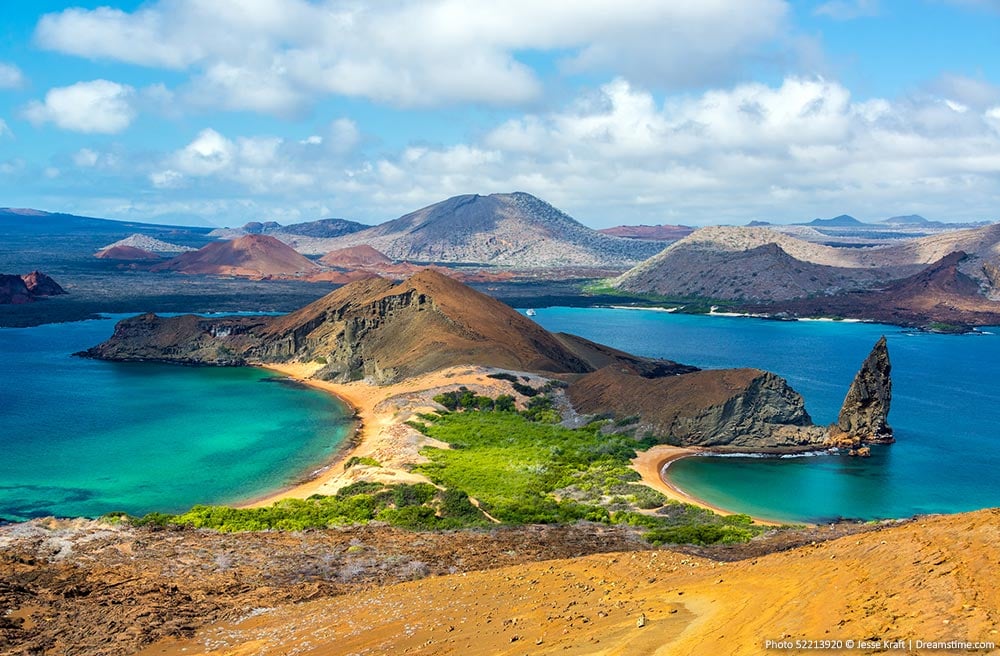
(738, 409)
(864, 416)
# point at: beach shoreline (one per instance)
(651, 463)
(380, 413)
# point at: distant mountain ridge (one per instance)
(515, 229)
(841, 221)
(33, 221)
(321, 228)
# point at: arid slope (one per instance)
(925, 580)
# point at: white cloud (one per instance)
(260, 165)
(622, 153)
(98, 106)
(4, 130)
(277, 56)
(848, 9)
(209, 153)
(11, 76)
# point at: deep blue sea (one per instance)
(945, 411)
(82, 437)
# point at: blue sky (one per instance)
(721, 111)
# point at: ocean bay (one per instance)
(86, 437)
(945, 411)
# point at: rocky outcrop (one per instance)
(864, 415)
(27, 288)
(735, 409)
(186, 339)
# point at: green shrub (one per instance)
(524, 390)
(361, 460)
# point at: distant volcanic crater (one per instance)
(255, 256)
(386, 332)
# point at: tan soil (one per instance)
(928, 580)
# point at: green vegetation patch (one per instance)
(525, 471)
(419, 507)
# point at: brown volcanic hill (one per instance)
(125, 253)
(764, 272)
(372, 329)
(385, 331)
(653, 232)
(925, 580)
(354, 257)
(515, 229)
(249, 256)
(730, 408)
(26, 288)
(940, 293)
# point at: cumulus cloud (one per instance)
(98, 106)
(277, 56)
(257, 164)
(10, 76)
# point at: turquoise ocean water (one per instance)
(83, 437)
(945, 411)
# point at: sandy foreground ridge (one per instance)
(897, 590)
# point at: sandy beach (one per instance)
(382, 433)
(651, 462)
